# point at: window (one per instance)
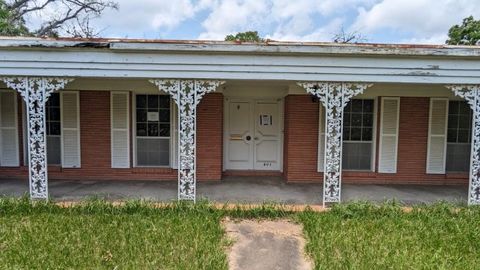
(458, 136)
(358, 123)
(53, 129)
(152, 130)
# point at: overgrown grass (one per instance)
(97, 235)
(364, 236)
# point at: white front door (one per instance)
(253, 134)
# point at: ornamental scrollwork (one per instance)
(187, 94)
(35, 92)
(471, 94)
(334, 97)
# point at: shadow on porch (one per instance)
(236, 189)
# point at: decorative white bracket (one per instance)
(471, 93)
(334, 97)
(187, 94)
(36, 91)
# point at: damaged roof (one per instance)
(267, 47)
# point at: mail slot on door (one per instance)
(236, 137)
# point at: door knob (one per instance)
(248, 138)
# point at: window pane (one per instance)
(366, 134)
(141, 115)
(141, 129)
(463, 135)
(141, 101)
(346, 119)
(53, 150)
(152, 101)
(164, 130)
(464, 108)
(153, 152)
(452, 135)
(356, 156)
(368, 105)
(53, 113)
(348, 108)
(54, 128)
(458, 157)
(368, 120)
(164, 102)
(356, 105)
(356, 134)
(54, 100)
(464, 121)
(452, 121)
(453, 107)
(164, 116)
(152, 129)
(356, 120)
(346, 134)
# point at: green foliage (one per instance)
(466, 34)
(9, 25)
(249, 36)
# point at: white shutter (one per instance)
(321, 138)
(389, 122)
(120, 137)
(8, 129)
(70, 117)
(437, 135)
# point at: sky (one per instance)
(378, 21)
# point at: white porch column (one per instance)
(334, 97)
(187, 94)
(471, 93)
(36, 91)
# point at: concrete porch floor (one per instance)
(239, 190)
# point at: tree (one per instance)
(70, 16)
(8, 26)
(466, 34)
(249, 36)
(343, 36)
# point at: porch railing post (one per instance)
(187, 94)
(471, 93)
(334, 96)
(36, 91)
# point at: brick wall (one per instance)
(95, 144)
(301, 144)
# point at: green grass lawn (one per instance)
(363, 236)
(96, 235)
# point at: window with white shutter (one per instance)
(8, 129)
(390, 114)
(437, 135)
(70, 107)
(120, 137)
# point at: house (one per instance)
(328, 113)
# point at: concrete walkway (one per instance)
(239, 190)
